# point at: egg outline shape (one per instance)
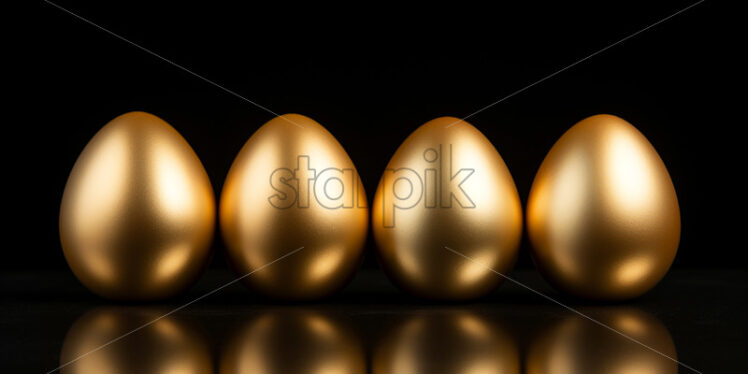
(626, 206)
(455, 269)
(314, 249)
(137, 216)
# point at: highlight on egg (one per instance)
(446, 214)
(602, 213)
(294, 199)
(138, 212)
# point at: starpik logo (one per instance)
(438, 185)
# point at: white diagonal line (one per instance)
(144, 49)
(570, 309)
(576, 63)
(174, 311)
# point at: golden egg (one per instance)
(447, 193)
(446, 342)
(297, 341)
(292, 187)
(138, 211)
(577, 345)
(168, 345)
(602, 213)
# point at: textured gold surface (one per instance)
(168, 345)
(483, 223)
(448, 342)
(576, 345)
(602, 213)
(288, 342)
(138, 211)
(261, 223)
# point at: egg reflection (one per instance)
(576, 345)
(293, 342)
(165, 346)
(452, 342)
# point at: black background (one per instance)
(371, 74)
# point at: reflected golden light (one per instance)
(326, 263)
(631, 325)
(473, 271)
(629, 172)
(172, 262)
(293, 341)
(473, 326)
(570, 192)
(166, 346)
(321, 326)
(635, 368)
(172, 181)
(633, 270)
(409, 262)
(449, 342)
(111, 169)
(574, 345)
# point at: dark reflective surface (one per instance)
(168, 345)
(293, 341)
(577, 345)
(371, 327)
(451, 341)
(438, 340)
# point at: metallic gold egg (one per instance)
(138, 211)
(577, 345)
(297, 341)
(446, 190)
(293, 186)
(602, 213)
(446, 342)
(168, 345)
